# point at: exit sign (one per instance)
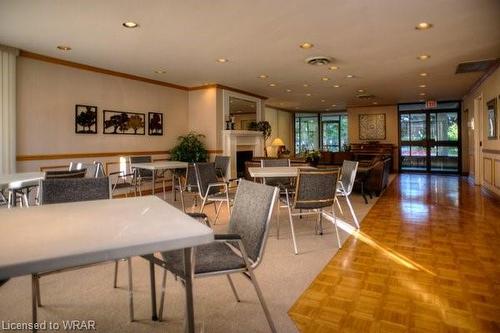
(431, 104)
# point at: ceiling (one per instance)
(375, 40)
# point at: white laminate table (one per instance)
(53, 237)
(270, 172)
(163, 165)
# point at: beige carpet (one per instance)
(87, 294)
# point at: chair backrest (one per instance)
(141, 159)
(221, 165)
(100, 169)
(65, 174)
(348, 175)
(92, 168)
(277, 162)
(74, 189)
(252, 210)
(315, 188)
(206, 175)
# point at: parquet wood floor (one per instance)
(427, 259)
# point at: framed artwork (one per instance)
(85, 119)
(118, 122)
(245, 124)
(372, 126)
(492, 119)
(155, 123)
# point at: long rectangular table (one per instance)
(19, 180)
(59, 236)
(163, 165)
(270, 172)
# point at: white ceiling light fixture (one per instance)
(272, 84)
(333, 68)
(422, 86)
(423, 57)
(288, 90)
(324, 79)
(263, 76)
(306, 45)
(336, 85)
(349, 76)
(361, 90)
(222, 60)
(318, 60)
(130, 25)
(305, 85)
(308, 95)
(423, 74)
(423, 26)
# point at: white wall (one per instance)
(281, 126)
(202, 115)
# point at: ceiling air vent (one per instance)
(365, 96)
(475, 66)
(318, 60)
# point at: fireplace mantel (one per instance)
(232, 139)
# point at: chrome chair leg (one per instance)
(338, 205)
(217, 211)
(233, 288)
(162, 297)
(115, 280)
(352, 211)
(278, 220)
(291, 223)
(130, 290)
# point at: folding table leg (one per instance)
(154, 316)
(188, 269)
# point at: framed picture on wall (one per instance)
(492, 119)
(155, 123)
(372, 126)
(118, 122)
(85, 119)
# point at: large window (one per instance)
(325, 131)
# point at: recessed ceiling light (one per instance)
(64, 48)
(423, 74)
(334, 105)
(423, 26)
(327, 109)
(361, 91)
(422, 94)
(305, 85)
(222, 60)
(130, 25)
(423, 57)
(333, 68)
(288, 90)
(323, 101)
(308, 95)
(349, 76)
(306, 45)
(272, 84)
(160, 71)
(325, 79)
(422, 86)
(375, 103)
(336, 85)
(263, 76)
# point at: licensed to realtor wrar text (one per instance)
(64, 325)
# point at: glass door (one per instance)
(413, 148)
(429, 139)
(444, 149)
(330, 135)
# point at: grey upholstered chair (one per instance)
(281, 182)
(211, 190)
(315, 192)
(239, 251)
(91, 168)
(345, 186)
(221, 165)
(190, 185)
(65, 174)
(63, 190)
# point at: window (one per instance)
(324, 131)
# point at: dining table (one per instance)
(159, 166)
(275, 172)
(67, 235)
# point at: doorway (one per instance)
(429, 139)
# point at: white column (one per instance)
(8, 109)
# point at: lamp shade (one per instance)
(277, 142)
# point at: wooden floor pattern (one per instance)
(427, 259)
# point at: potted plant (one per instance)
(189, 148)
(312, 157)
(265, 128)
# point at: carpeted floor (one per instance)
(88, 294)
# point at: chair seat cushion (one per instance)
(213, 257)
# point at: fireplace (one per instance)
(241, 158)
(236, 141)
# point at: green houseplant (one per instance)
(265, 128)
(312, 157)
(190, 148)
